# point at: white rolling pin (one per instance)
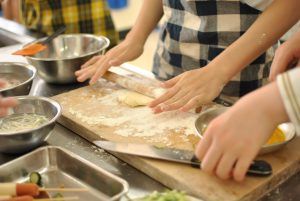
(135, 82)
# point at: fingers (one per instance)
(278, 66)
(95, 67)
(177, 99)
(223, 163)
(281, 62)
(6, 103)
(175, 102)
(189, 90)
(100, 71)
(211, 158)
(171, 82)
(242, 167)
(84, 74)
(192, 103)
(203, 146)
(169, 94)
(2, 83)
(89, 68)
(226, 165)
(98, 66)
(92, 61)
(3, 112)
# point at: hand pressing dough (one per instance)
(134, 99)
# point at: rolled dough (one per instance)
(134, 99)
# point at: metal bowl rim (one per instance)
(28, 66)
(107, 42)
(57, 115)
(281, 143)
(202, 114)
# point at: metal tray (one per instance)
(60, 167)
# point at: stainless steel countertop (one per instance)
(140, 184)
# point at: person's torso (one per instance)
(195, 32)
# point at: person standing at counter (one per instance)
(252, 120)
(46, 16)
(6, 103)
(207, 45)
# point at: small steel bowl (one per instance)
(22, 141)
(65, 54)
(206, 117)
(20, 73)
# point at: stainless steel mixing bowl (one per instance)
(18, 142)
(21, 74)
(65, 54)
(204, 118)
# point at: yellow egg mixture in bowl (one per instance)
(282, 135)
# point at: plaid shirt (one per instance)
(79, 16)
(195, 32)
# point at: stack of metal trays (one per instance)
(62, 168)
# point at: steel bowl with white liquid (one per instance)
(15, 139)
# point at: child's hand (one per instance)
(6, 103)
(288, 53)
(189, 90)
(98, 65)
(233, 139)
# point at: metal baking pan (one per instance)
(60, 167)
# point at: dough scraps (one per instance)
(134, 99)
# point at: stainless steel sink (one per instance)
(12, 33)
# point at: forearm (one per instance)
(11, 9)
(268, 102)
(150, 14)
(6, 8)
(264, 32)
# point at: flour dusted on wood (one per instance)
(139, 121)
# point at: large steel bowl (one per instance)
(65, 54)
(22, 141)
(206, 117)
(20, 73)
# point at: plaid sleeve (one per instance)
(289, 87)
(258, 4)
(79, 16)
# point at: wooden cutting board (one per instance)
(95, 113)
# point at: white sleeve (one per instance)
(258, 4)
(289, 87)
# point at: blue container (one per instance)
(117, 4)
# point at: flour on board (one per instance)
(138, 121)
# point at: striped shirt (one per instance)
(289, 87)
(194, 32)
(79, 16)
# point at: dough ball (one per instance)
(134, 99)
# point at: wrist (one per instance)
(218, 72)
(136, 37)
(268, 102)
